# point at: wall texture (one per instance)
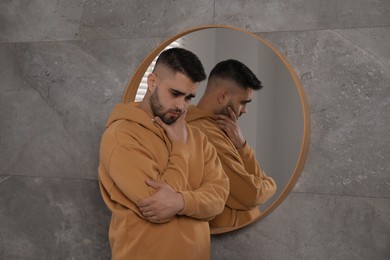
(64, 64)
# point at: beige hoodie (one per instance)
(249, 185)
(133, 148)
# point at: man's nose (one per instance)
(180, 104)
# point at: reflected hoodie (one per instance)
(249, 185)
(134, 148)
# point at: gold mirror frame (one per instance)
(130, 93)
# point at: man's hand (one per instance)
(230, 126)
(162, 205)
(177, 131)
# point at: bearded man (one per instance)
(161, 179)
(229, 90)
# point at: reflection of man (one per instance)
(229, 89)
(160, 177)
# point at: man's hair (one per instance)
(236, 71)
(183, 61)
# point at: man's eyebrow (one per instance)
(179, 93)
(246, 101)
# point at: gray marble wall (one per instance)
(64, 64)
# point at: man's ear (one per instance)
(151, 82)
(223, 96)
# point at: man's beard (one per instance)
(158, 110)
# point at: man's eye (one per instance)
(175, 94)
(189, 98)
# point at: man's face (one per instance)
(238, 101)
(171, 96)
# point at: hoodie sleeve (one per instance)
(126, 163)
(249, 185)
(209, 199)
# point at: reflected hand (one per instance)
(162, 205)
(230, 126)
(177, 131)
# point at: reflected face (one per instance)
(238, 102)
(171, 96)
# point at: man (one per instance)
(160, 177)
(229, 89)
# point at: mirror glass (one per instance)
(277, 122)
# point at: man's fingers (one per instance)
(232, 114)
(144, 203)
(182, 116)
(184, 113)
(146, 208)
(160, 122)
(153, 183)
(220, 117)
(148, 214)
(224, 123)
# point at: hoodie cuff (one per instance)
(188, 207)
(244, 151)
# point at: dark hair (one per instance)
(236, 71)
(184, 61)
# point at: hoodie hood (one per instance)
(194, 113)
(131, 112)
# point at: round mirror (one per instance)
(277, 124)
